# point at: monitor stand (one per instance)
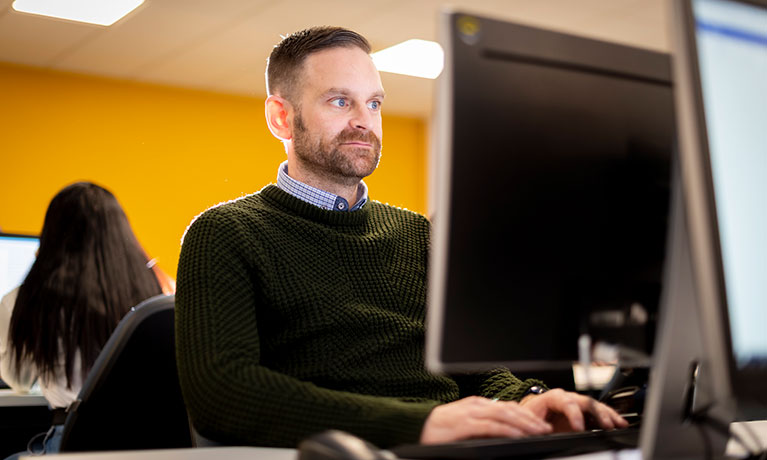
(684, 379)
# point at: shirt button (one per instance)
(341, 206)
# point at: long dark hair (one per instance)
(89, 272)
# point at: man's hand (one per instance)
(477, 417)
(565, 411)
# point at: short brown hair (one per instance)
(284, 64)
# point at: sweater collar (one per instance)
(289, 203)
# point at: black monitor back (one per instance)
(552, 174)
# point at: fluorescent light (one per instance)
(417, 58)
(101, 12)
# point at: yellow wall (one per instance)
(166, 153)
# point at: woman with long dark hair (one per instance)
(90, 270)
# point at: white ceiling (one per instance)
(222, 45)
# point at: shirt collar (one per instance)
(317, 197)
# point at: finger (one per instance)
(605, 415)
(618, 421)
(487, 428)
(572, 410)
(509, 413)
(570, 405)
(513, 414)
(602, 416)
(597, 411)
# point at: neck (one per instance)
(345, 187)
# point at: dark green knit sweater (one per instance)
(291, 320)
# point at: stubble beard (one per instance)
(327, 159)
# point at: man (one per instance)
(301, 308)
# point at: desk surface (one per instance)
(227, 453)
(11, 398)
(759, 429)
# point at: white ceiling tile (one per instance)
(222, 54)
(36, 40)
(643, 24)
(410, 96)
(222, 45)
(157, 33)
(403, 21)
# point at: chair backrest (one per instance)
(131, 398)
(199, 440)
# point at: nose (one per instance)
(361, 117)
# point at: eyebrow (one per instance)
(346, 92)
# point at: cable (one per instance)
(46, 435)
(706, 441)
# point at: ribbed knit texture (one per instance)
(292, 320)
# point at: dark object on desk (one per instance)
(552, 445)
(625, 377)
(627, 390)
(131, 398)
(339, 445)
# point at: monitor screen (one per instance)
(550, 196)
(17, 254)
(731, 49)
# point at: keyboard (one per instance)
(552, 445)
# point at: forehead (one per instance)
(349, 68)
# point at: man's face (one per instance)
(337, 125)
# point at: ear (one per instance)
(277, 110)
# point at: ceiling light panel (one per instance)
(417, 58)
(101, 12)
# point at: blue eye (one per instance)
(374, 105)
(340, 102)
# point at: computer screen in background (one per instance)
(732, 57)
(551, 192)
(712, 346)
(17, 254)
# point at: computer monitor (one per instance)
(17, 254)
(713, 345)
(723, 112)
(550, 196)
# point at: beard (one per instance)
(326, 157)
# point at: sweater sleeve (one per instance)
(496, 384)
(231, 397)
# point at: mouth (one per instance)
(358, 144)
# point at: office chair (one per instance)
(199, 440)
(131, 398)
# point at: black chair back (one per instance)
(131, 398)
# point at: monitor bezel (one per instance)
(19, 235)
